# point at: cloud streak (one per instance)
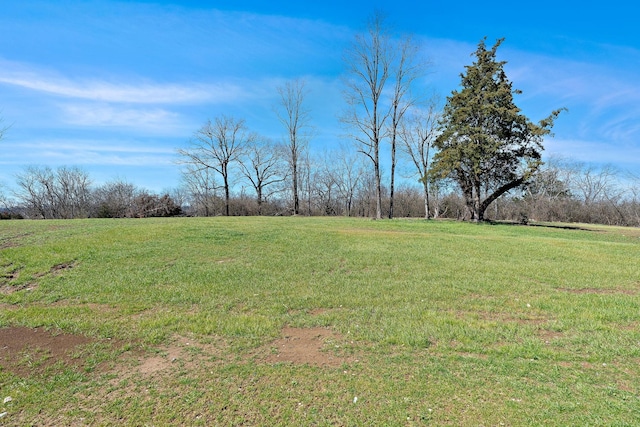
(122, 90)
(150, 120)
(90, 152)
(150, 74)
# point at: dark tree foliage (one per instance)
(487, 146)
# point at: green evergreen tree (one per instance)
(486, 145)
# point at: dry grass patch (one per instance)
(504, 317)
(548, 336)
(184, 353)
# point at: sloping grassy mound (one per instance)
(408, 322)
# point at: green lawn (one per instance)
(438, 322)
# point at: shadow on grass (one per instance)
(544, 225)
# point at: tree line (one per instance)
(477, 158)
(482, 141)
(336, 183)
(68, 193)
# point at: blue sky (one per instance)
(117, 87)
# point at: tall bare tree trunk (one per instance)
(393, 174)
(295, 118)
(416, 134)
(406, 70)
(368, 62)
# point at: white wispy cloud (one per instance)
(118, 89)
(102, 145)
(125, 92)
(90, 152)
(104, 115)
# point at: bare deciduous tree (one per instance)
(368, 61)
(295, 118)
(201, 186)
(262, 167)
(416, 137)
(594, 184)
(32, 193)
(406, 69)
(374, 112)
(348, 177)
(632, 204)
(7, 205)
(216, 146)
(61, 194)
(325, 188)
(74, 192)
(308, 165)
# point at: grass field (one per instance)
(317, 321)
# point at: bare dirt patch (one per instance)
(151, 365)
(306, 346)
(59, 268)
(25, 351)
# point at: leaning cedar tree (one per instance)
(486, 145)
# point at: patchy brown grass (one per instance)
(11, 274)
(548, 336)
(7, 286)
(306, 346)
(6, 280)
(12, 241)
(502, 317)
(25, 351)
(8, 289)
(58, 269)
